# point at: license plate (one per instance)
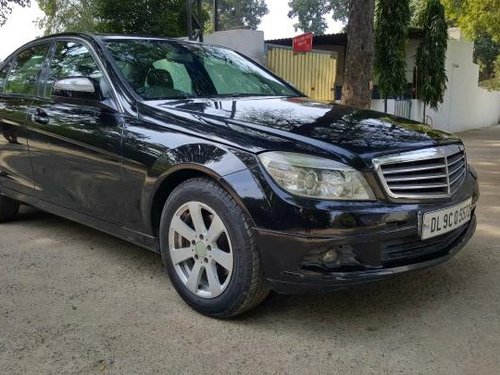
(445, 220)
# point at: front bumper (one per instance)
(287, 278)
(383, 240)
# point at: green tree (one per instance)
(391, 38)
(68, 15)
(475, 17)
(486, 52)
(311, 13)
(149, 17)
(6, 8)
(431, 55)
(480, 22)
(494, 82)
(241, 13)
(416, 8)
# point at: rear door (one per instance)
(18, 85)
(76, 144)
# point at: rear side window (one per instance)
(25, 70)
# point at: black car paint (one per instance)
(15, 167)
(118, 178)
(78, 138)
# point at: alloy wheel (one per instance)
(200, 249)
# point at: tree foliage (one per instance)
(416, 8)
(475, 17)
(486, 52)
(311, 13)
(67, 15)
(480, 21)
(148, 17)
(431, 54)
(6, 8)
(151, 17)
(391, 38)
(494, 82)
(241, 13)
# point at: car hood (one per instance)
(331, 127)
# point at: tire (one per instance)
(239, 284)
(8, 208)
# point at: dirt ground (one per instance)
(76, 301)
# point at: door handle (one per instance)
(40, 116)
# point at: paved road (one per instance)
(73, 300)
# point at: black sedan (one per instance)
(239, 181)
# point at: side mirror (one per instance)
(77, 88)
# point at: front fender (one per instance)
(230, 167)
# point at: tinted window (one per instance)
(72, 59)
(25, 71)
(227, 74)
(160, 69)
(180, 77)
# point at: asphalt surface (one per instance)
(76, 301)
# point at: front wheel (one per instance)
(209, 250)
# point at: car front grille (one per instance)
(424, 174)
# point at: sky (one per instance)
(20, 28)
(277, 25)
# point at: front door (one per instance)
(75, 144)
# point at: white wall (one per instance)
(248, 42)
(466, 106)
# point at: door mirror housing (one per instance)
(77, 88)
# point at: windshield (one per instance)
(161, 69)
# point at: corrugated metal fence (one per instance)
(313, 72)
(402, 108)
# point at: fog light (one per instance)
(330, 256)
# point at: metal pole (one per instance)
(198, 19)
(194, 26)
(216, 15)
(189, 19)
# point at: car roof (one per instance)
(98, 38)
(87, 35)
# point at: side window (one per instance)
(3, 75)
(72, 59)
(25, 70)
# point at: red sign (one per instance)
(303, 43)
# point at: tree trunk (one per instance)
(358, 75)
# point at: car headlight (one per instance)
(315, 177)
